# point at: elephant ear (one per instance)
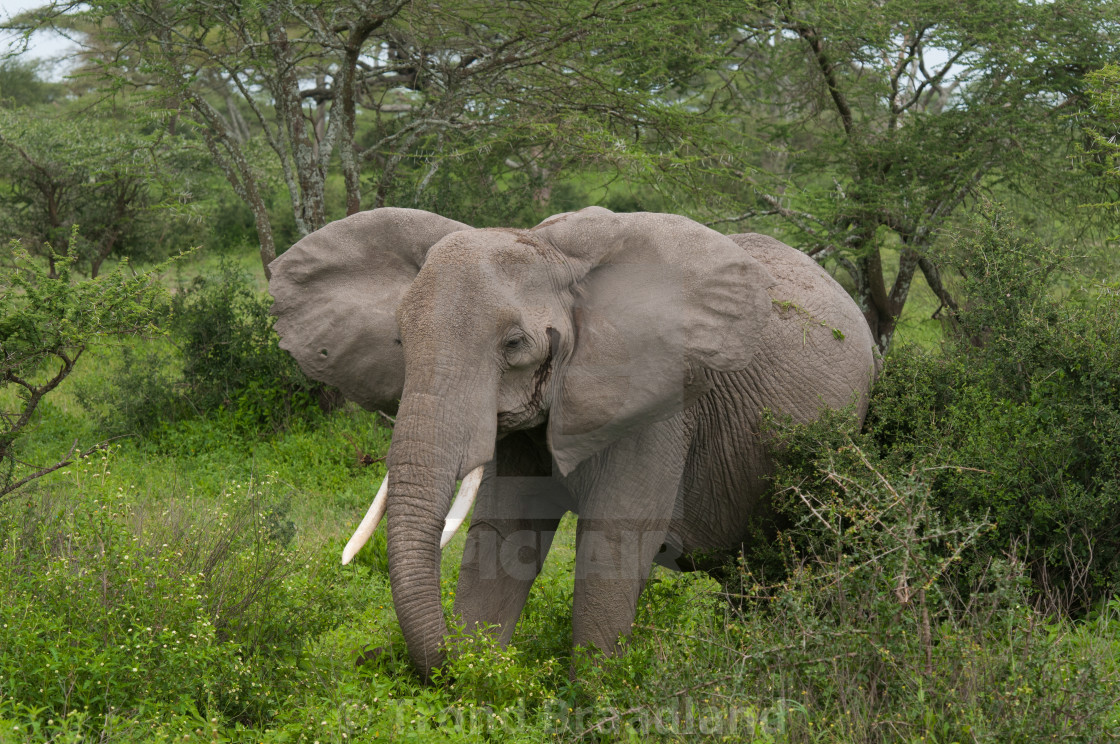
(662, 300)
(336, 295)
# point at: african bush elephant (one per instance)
(612, 365)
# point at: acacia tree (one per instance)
(1102, 121)
(59, 171)
(22, 85)
(879, 121)
(373, 86)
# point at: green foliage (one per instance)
(21, 84)
(476, 189)
(469, 110)
(231, 355)
(230, 223)
(891, 609)
(117, 180)
(114, 607)
(484, 673)
(826, 656)
(46, 322)
(143, 390)
(1032, 405)
(225, 357)
(919, 556)
(1007, 278)
(1016, 419)
(1102, 126)
(859, 128)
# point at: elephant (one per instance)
(614, 365)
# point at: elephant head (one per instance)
(589, 327)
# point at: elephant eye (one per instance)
(514, 343)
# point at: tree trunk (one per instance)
(102, 253)
(309, 197)
(265, 238)
(345, 101)
(880, 308)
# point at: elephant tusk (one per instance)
(463, 502)
(369, 522)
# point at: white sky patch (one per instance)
(52, 48)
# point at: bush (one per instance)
(1018, 419)
(46, 323)
(223, 356)
(869, 638)
(231, 355)
(114, 609)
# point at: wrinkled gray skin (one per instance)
(612, 365)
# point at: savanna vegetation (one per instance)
(174, 493)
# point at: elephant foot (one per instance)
(393, 661)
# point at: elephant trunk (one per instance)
(432, 446)
(419, 497)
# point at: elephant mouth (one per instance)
(526, 417)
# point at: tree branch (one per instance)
(828, 70)
(933, 279)
(68, 459)
(35, 395)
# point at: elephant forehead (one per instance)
(492, 266)
(468, 297)
(498, 245)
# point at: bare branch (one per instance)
(68, 459)
(743, 217)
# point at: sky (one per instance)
(44, 46)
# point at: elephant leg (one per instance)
(514, 521)
(626, 504)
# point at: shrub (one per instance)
(46, 323)
(1017, 418)
(115, 609)
(142, 390)
(869, 637)
(224, 356)
(231, 355)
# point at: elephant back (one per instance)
(816, 329)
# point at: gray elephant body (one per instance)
(817, 353)
(615, 366)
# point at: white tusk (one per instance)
(463, 502)
(369, 522)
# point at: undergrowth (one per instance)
(117, 606)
